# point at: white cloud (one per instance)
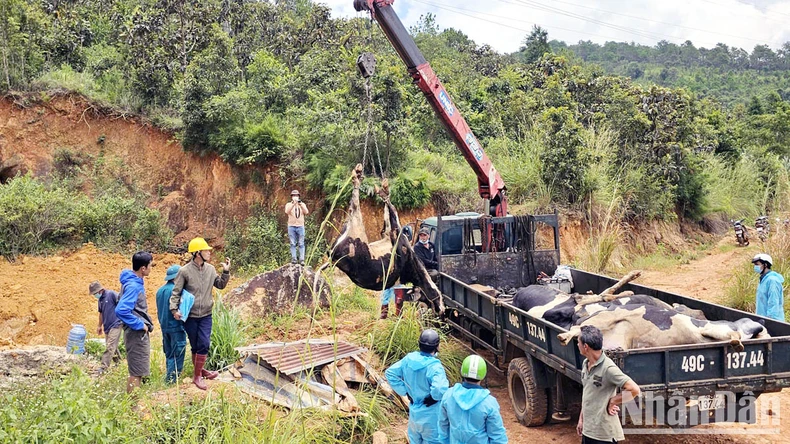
(504, 23)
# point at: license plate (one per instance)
(760, 229)
(738, 231)
(711, 402)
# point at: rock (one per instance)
(17, 364)
(379, 438)
(275, 292)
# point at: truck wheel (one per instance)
(530, 403)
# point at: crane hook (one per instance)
(366, 63)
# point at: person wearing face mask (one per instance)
(296, 211)
(770, 295)
(426, 252)
(108, 323)
(420, 376)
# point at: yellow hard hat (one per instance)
(198, 244)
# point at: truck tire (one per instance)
(530, 403)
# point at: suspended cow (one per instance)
(378, 265)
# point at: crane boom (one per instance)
(490, 184)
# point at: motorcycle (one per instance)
(763, 227)
(741, 235)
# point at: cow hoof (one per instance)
(564, 338)
(737, 345)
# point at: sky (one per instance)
(503, 24)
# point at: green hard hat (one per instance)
(474, 367)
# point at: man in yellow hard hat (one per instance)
(198, 277)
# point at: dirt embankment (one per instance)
(199, 195)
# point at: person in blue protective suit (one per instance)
(770, 294)
(420, 376)
(468, 414)
(174, 337)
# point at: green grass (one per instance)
(393, 338)
(664, 259)
(227, 332)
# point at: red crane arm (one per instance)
(490, 184)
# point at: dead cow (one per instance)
(642, 326)
(371, 265)
(565, 310)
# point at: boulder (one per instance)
(279, 291)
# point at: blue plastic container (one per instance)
(76, 343)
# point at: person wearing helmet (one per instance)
(198, 277)
(174, 338)
(420, 376)
(425, 250)
(770, 295)
(468, 414)
(296, 211)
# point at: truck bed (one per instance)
(696, 369)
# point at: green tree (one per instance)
(535, 45)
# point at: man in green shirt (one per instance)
(599, 421)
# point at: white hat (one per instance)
(763, 258)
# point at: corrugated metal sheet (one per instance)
(294, 357)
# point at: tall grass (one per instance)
(735, 188)
(521, 168)
(604, 238)
(395, 337)
(227, 332)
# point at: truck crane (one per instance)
(490, 184)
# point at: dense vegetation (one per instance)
(38, 215)
(258, 82)
(728, 74)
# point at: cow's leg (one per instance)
(355, 226)
(568, 337)
(589, 299)
(391, 219)
(719, 332)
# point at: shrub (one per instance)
(33, 217)
(36, 217)
(257, 243)
(410, 190)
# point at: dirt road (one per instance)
(705, 278)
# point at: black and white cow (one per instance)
(380, 264)
(641, 326)
(565, 310)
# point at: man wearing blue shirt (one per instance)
(132, 310)
(770, 294)
(420, 376)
